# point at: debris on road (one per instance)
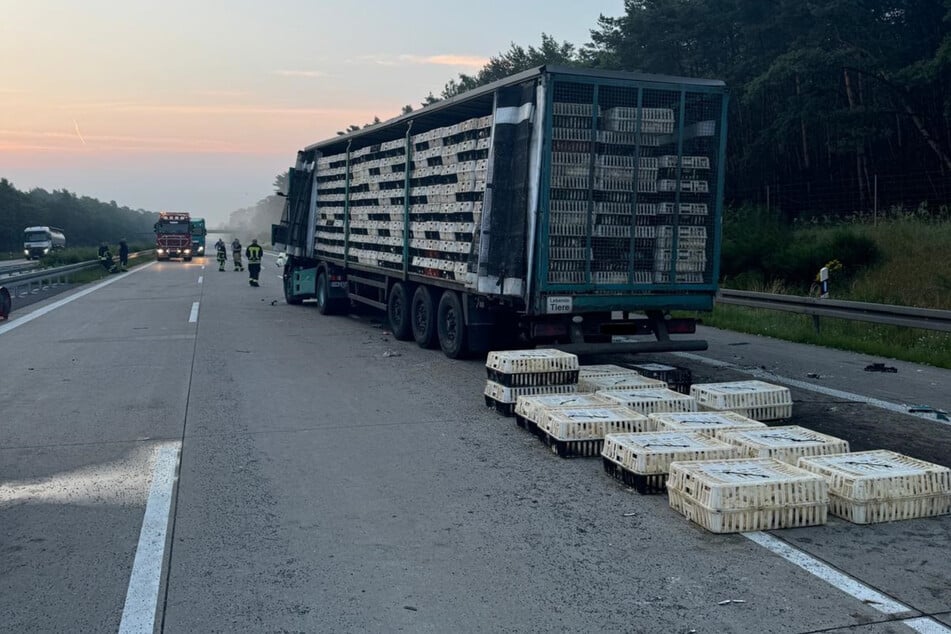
(924, 409)
(729, 601)
(814, 375)
(390, 353)
(880, 367)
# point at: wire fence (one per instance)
(871, 198)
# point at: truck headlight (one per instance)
(26, 252)
(188, 251)
(160, 251)
(46, 250)
(201, 249)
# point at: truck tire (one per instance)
(325, 304)
(423, 317)
(451, 326)
(398, 312)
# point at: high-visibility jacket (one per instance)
(254, 253)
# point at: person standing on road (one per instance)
(236, 254)
(254, 253)
(222, 254)
(123, 255)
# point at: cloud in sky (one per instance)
(300, 73)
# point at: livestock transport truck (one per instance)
(521, 213)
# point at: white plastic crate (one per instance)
(630, 381)
(650, 401)
(529, 408)
(580, 431)
(503, 397)
(788, 443)
(882, 486)
(524, 368)
(708, 423)
(652, 452)
(756, 399)
(731, 496)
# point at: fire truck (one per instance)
(173, 236)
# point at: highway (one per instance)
(180, 452)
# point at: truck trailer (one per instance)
(559, 206)
(173, 236)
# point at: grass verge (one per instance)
(893, 342)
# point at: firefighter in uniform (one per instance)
(236, 254)
(254, 253)
(222, 254)
(105, 258)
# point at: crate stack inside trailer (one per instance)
(446, 180)
(631, 199)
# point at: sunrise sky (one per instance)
(198, 105)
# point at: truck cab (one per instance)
(173, 236)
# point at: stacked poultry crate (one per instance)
(515, 373)
(756, 399)
(621, 197)
(747, 494)
(580, 431)
(713, 424)
(445, 169)
(882, 486)
(788, 443)
(642, 460)
(650, 400)
(530, 409)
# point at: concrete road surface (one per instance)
(181, 451)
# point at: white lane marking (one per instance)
(39, 312)
(927, 626)
(200, 278)
(193, 317)
(819, 389)
(853, 587)
(141, 599)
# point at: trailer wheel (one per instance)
(398, 312)
(325, 304)
(451, 326)
(423, 314)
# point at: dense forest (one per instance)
(85, 221)
(835, 105)
(840, 107)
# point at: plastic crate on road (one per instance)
(580, 431)
(503, 398)
(650, 401)
(788, 443)
(679, 379)
(526, 368)
(756, 399)
(528, 409)
(882, 486)
(642, 460)
(629, 381)
(732, 496)
(709, 423)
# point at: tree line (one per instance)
(822, 93)
(85, 221)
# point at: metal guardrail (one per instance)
(13, 269)
(28, 283)
(925, 318)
